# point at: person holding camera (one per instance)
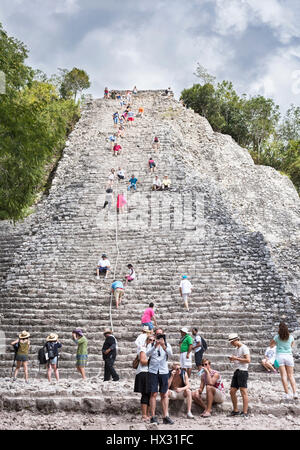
(158, 353)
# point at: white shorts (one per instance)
(186, 363)
(185, 297)
(285, 359)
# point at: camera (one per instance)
(161, 336)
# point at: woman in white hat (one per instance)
(22, 345)
(52, 345)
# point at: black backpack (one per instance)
(42, 355)
(204, 344)
(50, 347)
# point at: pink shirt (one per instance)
(147, 316)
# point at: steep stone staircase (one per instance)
(49, 280)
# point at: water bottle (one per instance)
(201, 372)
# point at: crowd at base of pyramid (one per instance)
(154, 372)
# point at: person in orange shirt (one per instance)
(141, 111)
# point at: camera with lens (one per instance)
(161, 336)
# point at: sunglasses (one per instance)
(206, 364)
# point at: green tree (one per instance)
(202, 73)
(73, 82)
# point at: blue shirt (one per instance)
(283, 346)
(117, 284)
(133, 180)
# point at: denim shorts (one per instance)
(148, 324)
(157, 380)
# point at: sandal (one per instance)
(205, 415)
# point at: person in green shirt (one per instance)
(82, 351)
(186, 347)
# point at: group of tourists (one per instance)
(154, 372)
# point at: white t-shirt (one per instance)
(103, 262)
(270, 354)
(141, 340)
(240, 352)
(157, 182)
(186, 286)
(111, 176)
(140, 367)
(197, 339)
(121, 173)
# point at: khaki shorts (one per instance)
(173, 395)
(219, 396)
(118, 294)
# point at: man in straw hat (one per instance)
(241, 360)
(141, 339)
(21, 346)
(52, 345)
(186, 350)
(109, 353)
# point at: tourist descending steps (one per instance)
(158, 353)
(121, 203)
(156, 144)
(199, 347)
(103, 266)
(151, 164)
(141, 111)
(141, 382)
(132, 183)
(185, 289)
(121, 131)
(284, 342)
(115, 117)
(109, 353)
(109, 196)
(117, 288)
(117, 149)
(241, 360)
(215, 391)
(112, 139)
(156, 184)
(111, 177)
(82, 351)
(269, 359)
(179, 387)
(131, 275)
(186, 350)
(106, 93)
(166, 183)
(148, 316)
(134, 90)
(130, 118)
(22, 346)
(52, 345)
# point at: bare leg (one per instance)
(25, 370)
(210, 393)
(244, 393)
(188, 396)
(290, 375)
(153, 403)
(164, 399)
(198, 400)
(49, 370)
(283, 375)
(17, 369)
(234, 399)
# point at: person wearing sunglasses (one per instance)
(179, 387)
(215, 391)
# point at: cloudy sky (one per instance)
(156, 44)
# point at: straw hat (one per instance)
(233, 337)
(52, 337)
(146, 329)
(24, 335)
(107, 330)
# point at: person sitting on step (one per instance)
(269, 358)
(179, 387)
(215, 391)
(103, 266)
(166, 183)
(156, 185)
(133, 182)
(120, 174)
(131, 275)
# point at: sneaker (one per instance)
(167, 420)
(295, 396)
(245, 415)
(286, 397)
(98, 278)
(154, 420)
(190, 415)
(234, 413)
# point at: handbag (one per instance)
(135, 362)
